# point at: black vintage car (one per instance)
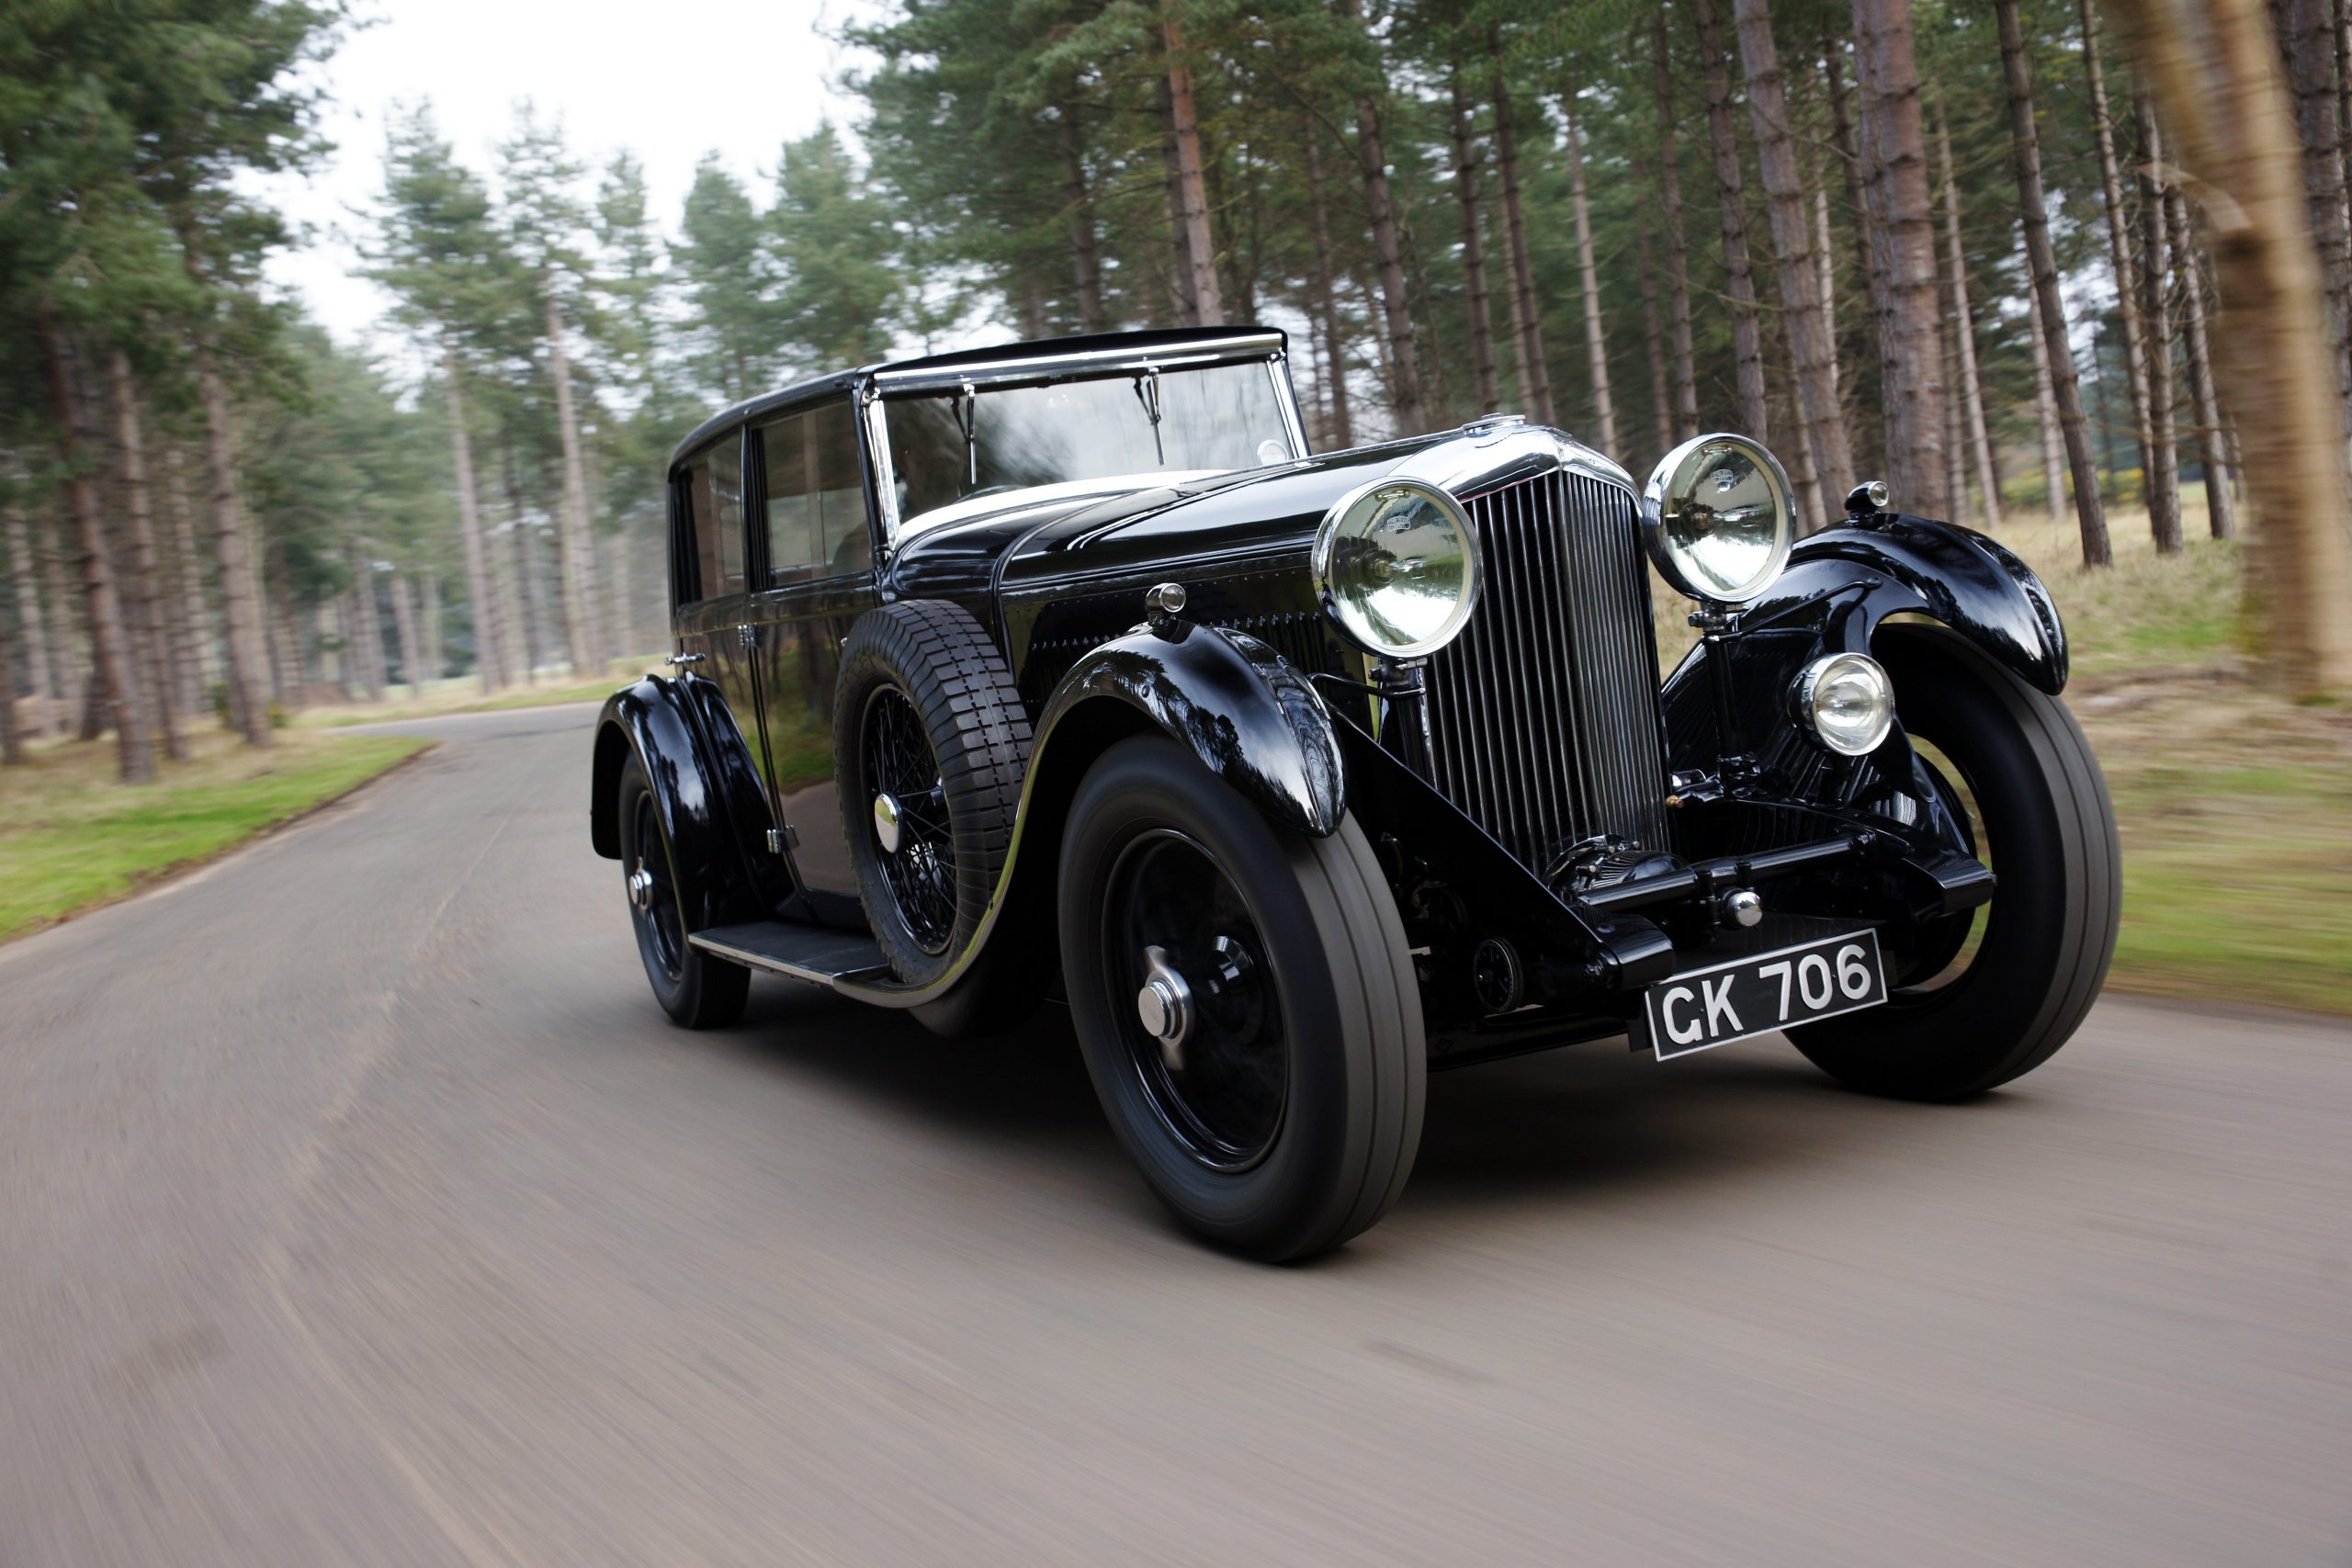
(1064, 669)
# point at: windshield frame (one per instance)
(1041, 370)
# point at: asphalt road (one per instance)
(358, 1206)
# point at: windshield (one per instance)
(948, 445)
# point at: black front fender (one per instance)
(705, 788)
(1249, 714)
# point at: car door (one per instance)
(819, 570)
(716, 607)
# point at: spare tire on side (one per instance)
(930, 744)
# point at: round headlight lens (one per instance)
(1717, 517)
(1397, 565)
(1846, 702)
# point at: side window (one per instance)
(714, 511)
(816, 496)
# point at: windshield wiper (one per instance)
(1147, 393)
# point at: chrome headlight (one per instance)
(1397, 567)
(1845, 701)
(1717, 518)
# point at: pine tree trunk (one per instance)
(2043, 262)
(2227, 102)
(13, 752)
(1474, 252)
(489, 642)
(2045, 411)
(1404, 346)
(1902, 237)
(144, 591)
(233, 551)
(2311, 52)
(1731, 205)
(1534, 376)
(1653, 338)
(1596, 336)
(1972, 395)
(526, 582)
(192, 642)
(1086, 263)
(1678, 250)
(68, 671)
(1326, 289)
(2160, 481)
(109, 642)
(2118, 237)
(584, 638)
(48, 714)
(404, 629)
(1865, 433)
(430, 631)
(1192, 191)
(2221, 504)
(1812, 339)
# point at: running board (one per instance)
(819, 955)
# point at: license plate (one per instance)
(1762, 992)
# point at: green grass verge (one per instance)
(69, 838)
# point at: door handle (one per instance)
(682, 660)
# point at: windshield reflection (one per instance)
(952, 445)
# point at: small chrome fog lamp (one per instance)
(1717, 518)
(1396, 567)
(1844, 702)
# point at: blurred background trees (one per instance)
(1975, 250)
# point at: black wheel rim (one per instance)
(653, 893)
(919, 868)
(1173, 918)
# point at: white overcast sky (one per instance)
(669, 81)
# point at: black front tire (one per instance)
(695, 988)
(1327, 993)
(2049, 932)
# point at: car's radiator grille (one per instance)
(1545, 709)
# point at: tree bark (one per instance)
(1534, 376)
(1894, 163)
(1683, 363)
(143, 597)
(2220, 502)
(1653, 338)
(48, 713)
(1963, 323)
(2118, 238)
(1086, 262)
(366, 630)
(2045, 410)
(489, 642)
(1596, 335)
(2160, 480)
(1192, 190)
(404, 631)
(1404, 344)
(68, 670)
(2311, 53)
(1731, 204)
(1864, 434)
(430, 632)
(2041, 259)
(109, 644)
(2215, 67)
(526, 582)
(13, 752)
(583, 638)
(1327, 289)
(192, 640)
(1813, 340)
(1473, 251)
(233, 551)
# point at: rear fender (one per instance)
(705, 786)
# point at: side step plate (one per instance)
(816, 954)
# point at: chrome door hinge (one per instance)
(784, 839)
(682, 660)
(750, 634)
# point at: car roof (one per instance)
(1109, 346)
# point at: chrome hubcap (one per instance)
(1164, 1005)
(885, 822)
(640, 886)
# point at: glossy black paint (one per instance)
(707, 789)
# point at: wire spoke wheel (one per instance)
(1205, 1033)
(653, 893)
(918, 856)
